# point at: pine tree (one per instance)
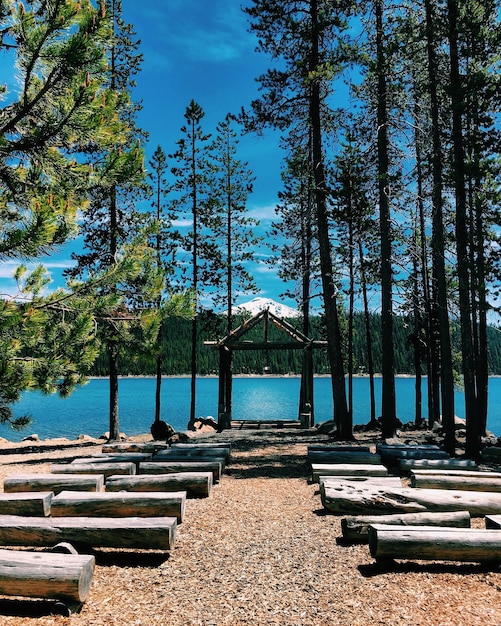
(112, 221)
(191, 174)
(58, 108)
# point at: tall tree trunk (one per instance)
(368, 336)
(388, 383)
(113, 369)
(438, 245)
(342, 416)
(473, 441)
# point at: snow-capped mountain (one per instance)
(256, 305)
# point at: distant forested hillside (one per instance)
(177, 337)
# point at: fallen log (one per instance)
(24, 503)
(53, 482)
(406, 465)
(376, 482)
(463, 481)
(357, 499)
(64, 577)
(346, 469)
(123, 504)
(426, 543)
(106, 469)
(359, 458)
(175, 467)
(196, 484)
(151, 533)
(356, 529)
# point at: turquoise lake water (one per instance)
(86, 411)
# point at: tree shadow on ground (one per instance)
(387, 566)
(274, 465)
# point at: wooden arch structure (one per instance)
(293, 340)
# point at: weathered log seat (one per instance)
(441, 544)
(25, 503)
(374, 482)
(106, 469)
(196, 484)
(356, 529)
(456, 479)
(147, 447)
(150, 533)
(354, 499)
(392, 454)
(122, 504)
(53, 482)
(131, 457)
(175, 467)
(65, 577)
(341, 456)
(179, 456)
(406, 465)
(346, 469)
(192, 450)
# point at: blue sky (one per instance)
(203, 51)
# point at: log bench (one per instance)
(196, 484)
(375, 482)
(25, 503)
(53, 482)
(335, 456)
(106, 469)
(135, 458)
(391, 455)
(150, 533)
(179, 456)
(346, 469)
(356, 529)
(456, 479)
(427, 543)
(406, 465)
(122, 504)
(192, 451)
(175, 467)
(351, 499)
(65, 577)
(147, 447)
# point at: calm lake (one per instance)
(86, 411)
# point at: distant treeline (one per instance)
(177, 347)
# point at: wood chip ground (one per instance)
(260, 551)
